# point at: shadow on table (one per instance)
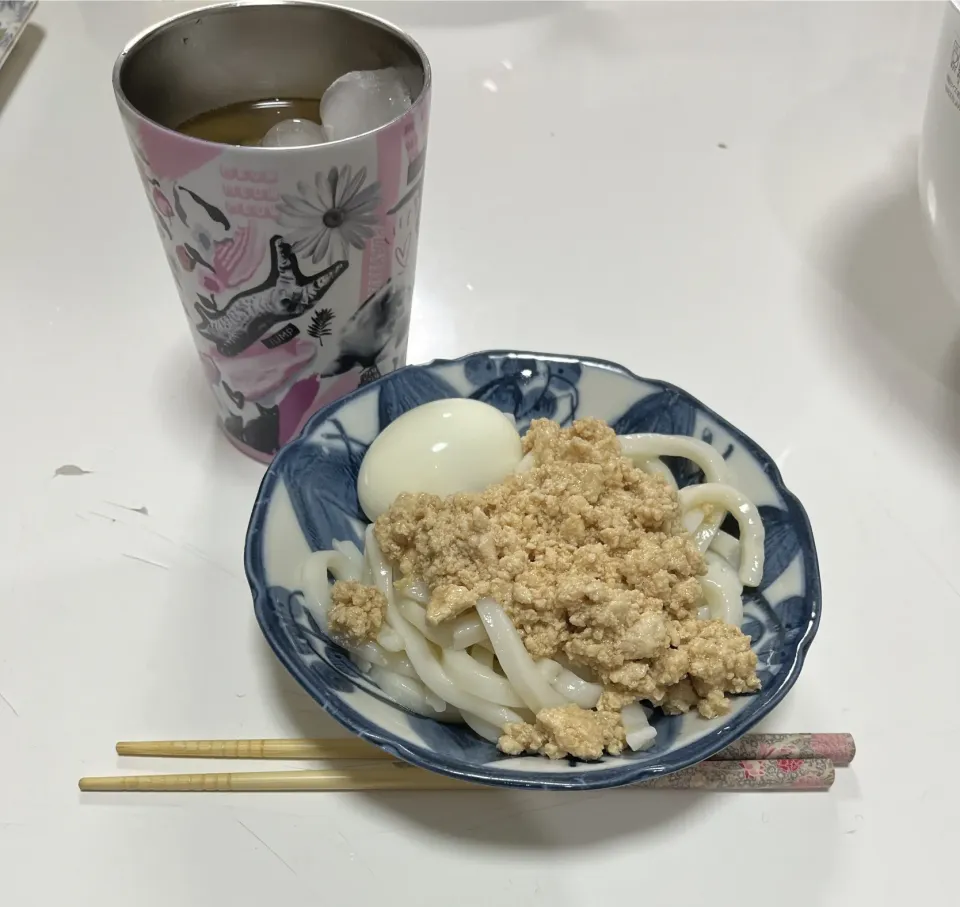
(509, 826)
(184, 402)
(501, 818)
(18, 61)
(897, 317)
(525, 821)
(298, 711)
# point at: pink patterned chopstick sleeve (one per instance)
(838, 748)
(750, 774)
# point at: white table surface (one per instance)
(721, 196)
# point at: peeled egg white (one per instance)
(439, 448)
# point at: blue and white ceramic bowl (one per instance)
(308, 498)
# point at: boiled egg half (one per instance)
(441, 448)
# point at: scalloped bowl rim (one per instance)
(489, 774)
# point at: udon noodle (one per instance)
(476, 668)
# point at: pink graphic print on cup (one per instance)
(171, 155)
(261, 254)
(250, 193)
(236, 259)
(259, 371)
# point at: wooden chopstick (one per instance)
(744, 775)
(254, 749)
(838, 748)
(385, 776)
(754, 762)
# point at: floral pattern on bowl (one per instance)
(13, 17)
(308, 498)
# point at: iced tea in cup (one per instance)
(282, 149)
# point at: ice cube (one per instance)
(360, 101)
(294, 133)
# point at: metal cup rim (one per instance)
(142, 37)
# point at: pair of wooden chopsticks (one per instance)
(755, 762)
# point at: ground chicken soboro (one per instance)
(357, 611)
(586, 554)
(569, 729)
